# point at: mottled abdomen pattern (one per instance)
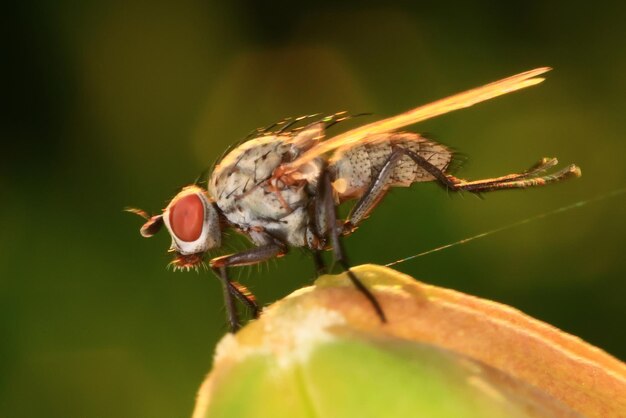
(354, 168)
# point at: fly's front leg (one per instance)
(245, 296)
(326, 210)
(233, 289)
(251, 256)
(512, 181)
(231, 311)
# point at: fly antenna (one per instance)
(153, 223)
(138, 212)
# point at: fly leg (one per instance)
(233, 289)
(375, 192)
(320, 267)
(245, 296)
(379, 186)
(488, 185)
(231, 311)
(511, 181)
(543, 165)
(327, 222)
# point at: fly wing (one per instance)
(307, 137)
(439, 107)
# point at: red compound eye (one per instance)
(187, 217)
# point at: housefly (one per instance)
(282, 185)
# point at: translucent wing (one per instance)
(439, 107)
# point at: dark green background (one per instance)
(117, 103)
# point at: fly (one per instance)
(281, 188)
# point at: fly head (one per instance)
(193, 223)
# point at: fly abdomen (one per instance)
(355, 168)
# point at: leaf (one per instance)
(322, 352)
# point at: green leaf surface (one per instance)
(322, 352)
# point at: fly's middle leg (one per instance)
(327, 223)
(320, 267)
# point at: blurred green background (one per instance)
(122, 102)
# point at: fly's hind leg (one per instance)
(379, 186)
(528, 178)
(375, 192)
(327, 223)
(233, 289)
